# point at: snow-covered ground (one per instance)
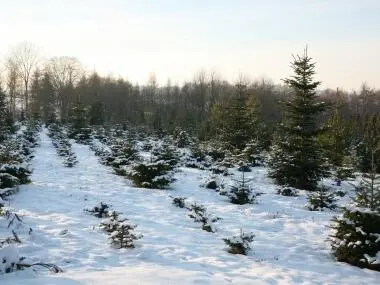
(290, 245)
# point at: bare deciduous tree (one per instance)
(12, 81)
(65, 72)
(23, 59)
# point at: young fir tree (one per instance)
(322, 199)
(336, 142)
(297, 159)
(356, 237)
(47, 99)
(365, 150)
(96, 113)
(236, 118)
(78, 120)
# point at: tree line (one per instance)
(237, 113)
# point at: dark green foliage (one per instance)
(124, 152)
(368, 192)
(62, 145)
(241, 193)
(20, 172)
(216, 151)
(181, 138)
(211, 184)
(29, 140)
(7, 180)
(12, 170)
(344, 172)
(47, 100)
(167, 154)
(111, 223)
(4, 116)
(253, 153)
(322, 199)
(239, 244)
(79, 129)
(120, 232)
(297, 158)
(336, 141)
(199, 214)
(287, 191)
(236, 119)
(123, 236)
(356, 238)
(368, 148)
(151, 175)
(96, 113)
(179, 202)
(101, 211)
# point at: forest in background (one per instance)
(49, 89)
(235, 115)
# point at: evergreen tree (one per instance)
(297, 158)
(33, 96)
(336, 141)
(367, 149)
(78, 120)
(47, 98)
(236, 119)
(356, 234)
(4, 128)
(241, 193)
(96, 113)
(322, 199)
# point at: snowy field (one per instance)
(290, 244)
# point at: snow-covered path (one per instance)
(289, 247)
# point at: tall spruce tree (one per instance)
(297, 159)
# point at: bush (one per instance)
(211, 184)
(288, 191)
(181, 138)
(199, 214)
(12, 171)
(179, 202)
(167, 154)
(151, 175)
(111, 223)
(121, 233)
(62, 145)
(356, 238)
(100, 211)
(239, 244)
(322, 199)
(123, 236)
(240, 193)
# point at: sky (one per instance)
(177, 39)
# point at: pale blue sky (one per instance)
(178, 38)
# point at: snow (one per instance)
(290, 244)
(9, 257)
